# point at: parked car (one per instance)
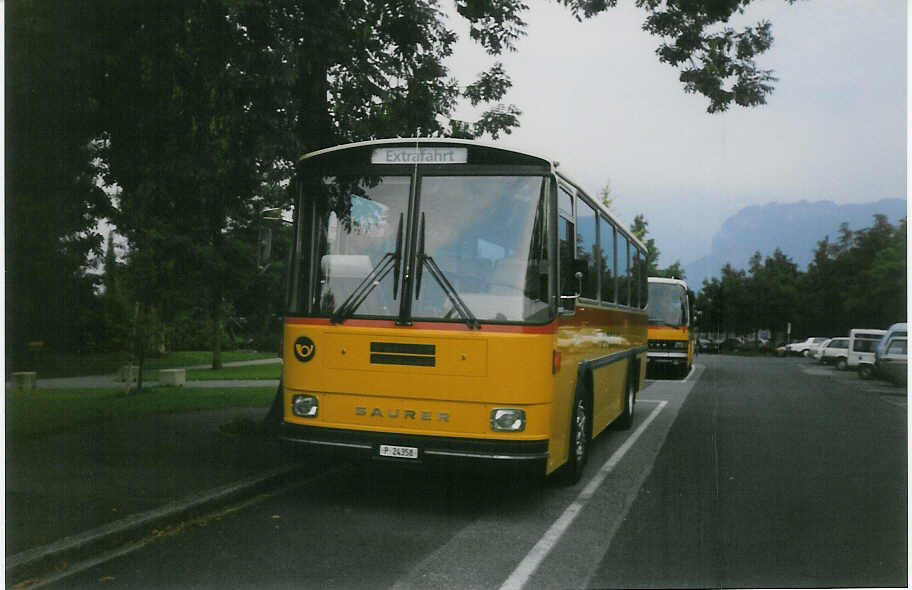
(804, 346)
(862, 342)
(731, 344)
(835, 352)
(892, 361)
(890, 354)
(707, 345)
(815, 349)
(900, 329)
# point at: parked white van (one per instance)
(862, 343)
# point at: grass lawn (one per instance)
(271, 371)
(51, 364)
(53, 410)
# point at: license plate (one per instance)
(398, 452)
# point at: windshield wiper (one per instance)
(390, 261)
(458, 304)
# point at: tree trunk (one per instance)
(140, 346)
(217, 320)
(314, 123)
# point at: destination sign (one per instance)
(420, 155)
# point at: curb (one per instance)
(60, 555)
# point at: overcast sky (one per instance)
(595, 97)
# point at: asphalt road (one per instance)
(754, 472)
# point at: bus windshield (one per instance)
(480, 244)
(667, 304)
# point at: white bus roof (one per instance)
(664, 281)
(419, 141)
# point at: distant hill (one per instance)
(794, 228)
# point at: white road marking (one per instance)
(898, 401)
(540, 551)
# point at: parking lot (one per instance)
(887, 392)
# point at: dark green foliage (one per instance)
(714, 60)
(52, 202)
(858, 282)
(193, 114)
(495, 24)
(639, 228)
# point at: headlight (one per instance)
(508, 420)
(305, 406)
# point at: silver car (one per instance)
(893, 363)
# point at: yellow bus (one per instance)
(671, 337)
(453, 301)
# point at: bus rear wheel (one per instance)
(625, 420)
(579, 441)
(865, 371)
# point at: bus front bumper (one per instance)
(667, 358)
(431, 450)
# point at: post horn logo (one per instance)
(304, 349)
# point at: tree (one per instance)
(858, 281)
(193, 110)
(605, 196)
(52, 201)
(229, 94)
(875, 266)
(823, 309)
(709, 306)
(734, 295)
(639, 228)
(714, 60)
(672, 271)
(774, 291)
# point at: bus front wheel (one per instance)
(579, 440)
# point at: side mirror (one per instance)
(580, 267)
(568, 302)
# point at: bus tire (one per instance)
(625, 420)
(865, 371)
(841, 364)
(580, 439)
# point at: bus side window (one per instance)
(623, 270)
(568, 284)
(644, 281)
(586, 227)
(606, 239)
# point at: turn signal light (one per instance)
(556, 362)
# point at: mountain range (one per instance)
(794, 228)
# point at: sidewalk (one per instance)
(89, 489)
(93, 381)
